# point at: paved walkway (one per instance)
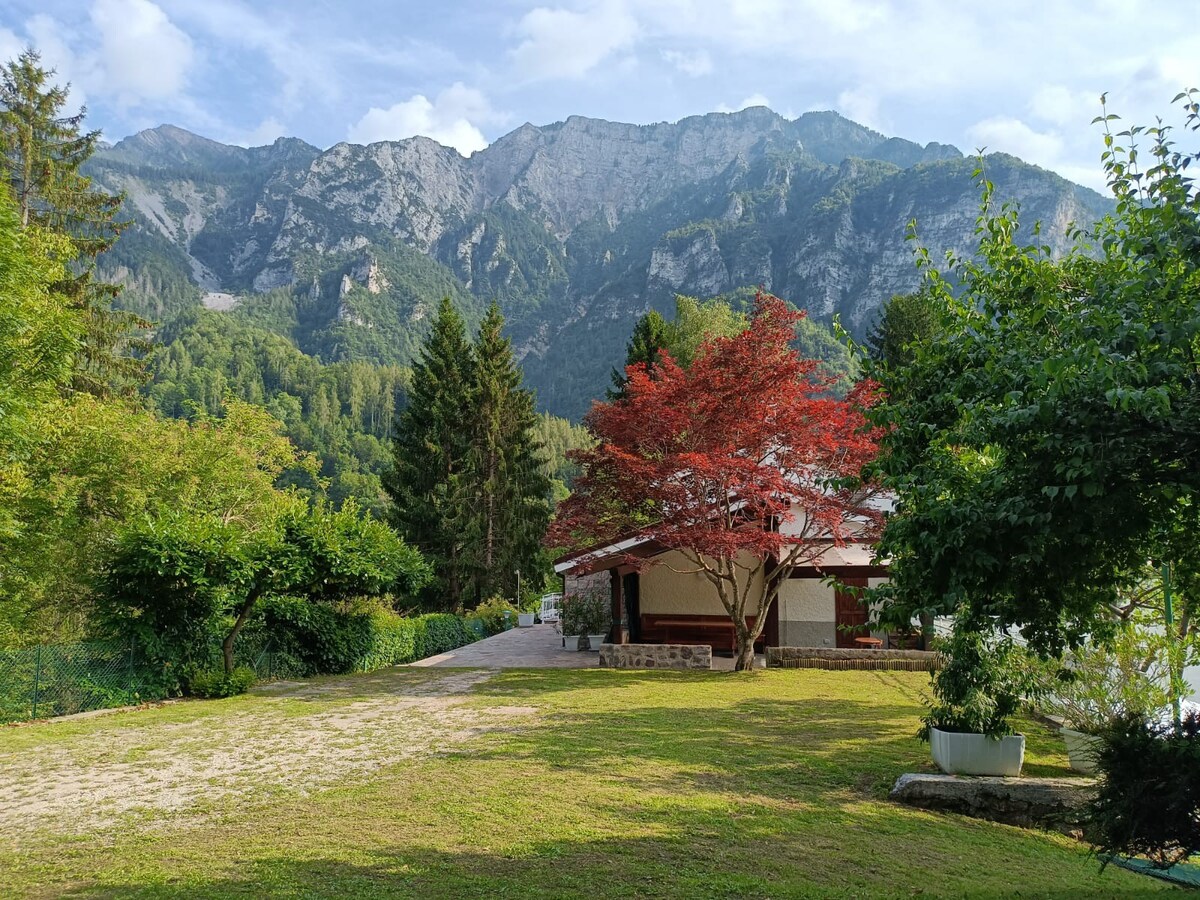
(539, 647)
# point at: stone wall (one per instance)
(840, 659)
(655, 656)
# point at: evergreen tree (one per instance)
(509, 490)
(904, 320)
(41, 152)
(431, 457)
(649, 337)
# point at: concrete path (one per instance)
(539, 647)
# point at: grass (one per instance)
(532, 784)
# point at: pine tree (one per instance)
(41, 152)
(649, 337)
(431, 452)
(510, 509)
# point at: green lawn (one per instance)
(436, 783)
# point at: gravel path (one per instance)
(292, 737)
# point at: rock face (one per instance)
(574, 228)
(1051, 803)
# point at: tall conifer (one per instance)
(510, 508)
(41, 152)
(428, 483)
(649, 336)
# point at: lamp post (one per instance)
(517, 604)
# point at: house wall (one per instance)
(582, 584)
(806, 613)
(663, 591)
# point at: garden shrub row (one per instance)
(324, 640)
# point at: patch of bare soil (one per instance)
(187, 767)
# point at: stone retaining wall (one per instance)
(655, 656)
(845, 658)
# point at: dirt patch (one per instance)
(212, 761)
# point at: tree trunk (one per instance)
(744, 660)
(227, 644)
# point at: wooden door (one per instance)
(849, 614)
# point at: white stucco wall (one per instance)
(806, 600)
(664, 591)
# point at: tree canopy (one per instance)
(1048, 444)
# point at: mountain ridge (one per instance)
(574, 228)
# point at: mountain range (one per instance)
(575, 229)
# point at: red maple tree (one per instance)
(712, 460)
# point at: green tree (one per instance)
(175, 579)
(431, 457)
(509, 491)
(904, 320)
(100, 466)
(649, 337)
(697, 322)
(38, 338)
(1046, 446)
(41, 152)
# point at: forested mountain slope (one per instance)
(575, 228)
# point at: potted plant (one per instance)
(570, 621)
(595, 618)
(981, 686)
(1100, 684)
(525, 613)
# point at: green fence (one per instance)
(59, 679)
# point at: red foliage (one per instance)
(704, 458)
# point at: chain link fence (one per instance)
(59, 679)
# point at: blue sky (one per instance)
(1024, 77)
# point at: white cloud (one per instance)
(861, 105)
(562, 43)
(10, 45)
(695, 64)
(451, 119)
(264, 133)
(1012, 135)
(1060, 105)
(142, 55)
(752, 100)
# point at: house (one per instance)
(658, 597)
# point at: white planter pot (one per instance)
(594, 642)
(524, 620)
(570, 642)
(1081, 750)
(977, 754)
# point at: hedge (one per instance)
(329, 641)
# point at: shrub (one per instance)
(1148, 800)
(358, 638)
(494, 614)
(585, 613)
(1099, 684)
(982, 685)
(214, 683)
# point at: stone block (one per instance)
(1052, 803)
